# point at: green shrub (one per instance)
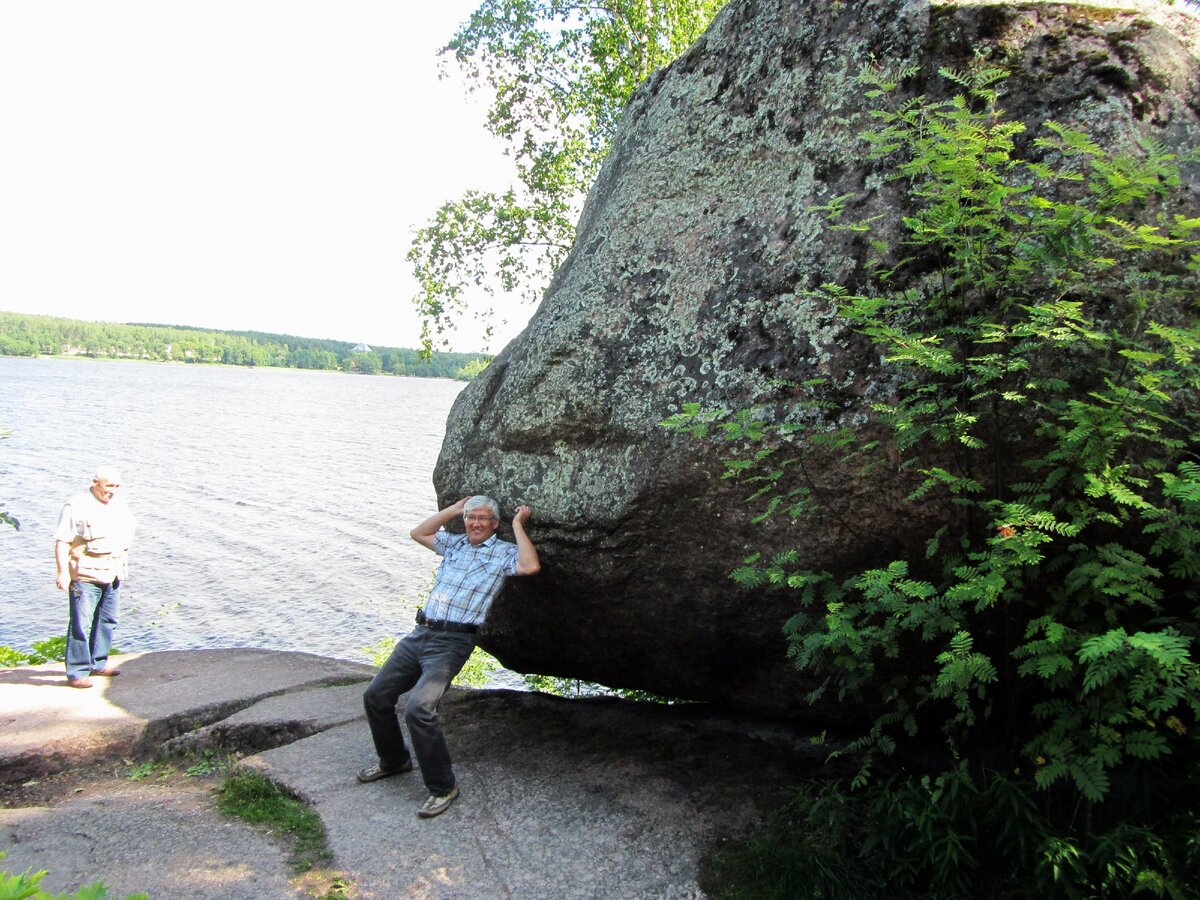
(50, 650)
(377, 654)
(27, 886)
(1039, 318)
(952, 836)
(53, 650)
(807, 848)
(478, 670)
(10, 658)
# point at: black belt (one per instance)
(439, 625)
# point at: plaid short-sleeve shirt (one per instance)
(469, 577)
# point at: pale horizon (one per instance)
(250, 166)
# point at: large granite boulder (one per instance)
(685, 285)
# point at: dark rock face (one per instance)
(685, 285)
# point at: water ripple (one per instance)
(273, 505)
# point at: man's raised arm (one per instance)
(424, 533)
(527, 555)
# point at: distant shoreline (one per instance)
(28, 335)
(215, 365)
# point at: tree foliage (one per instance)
(27, 335)
(560, 74)
(1040, 317)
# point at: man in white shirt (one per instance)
(91, 553)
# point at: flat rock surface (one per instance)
(560, 798)
(169, 842)
(46, 726)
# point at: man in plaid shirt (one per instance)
(474, 567)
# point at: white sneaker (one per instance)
(435, 805)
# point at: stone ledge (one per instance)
(49, 727)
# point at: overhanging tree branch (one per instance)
(559, 75)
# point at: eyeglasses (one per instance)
(481, 518)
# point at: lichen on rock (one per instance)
(688, 283)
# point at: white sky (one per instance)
(232, 164)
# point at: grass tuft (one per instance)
(260, 801)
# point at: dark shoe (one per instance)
(375, 772)
(107, 672)
(435, 805)
(80, 682)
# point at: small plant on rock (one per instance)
(27, 886)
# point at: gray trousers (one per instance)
(423, 664)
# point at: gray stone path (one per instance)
(144, 837)
(560, 799)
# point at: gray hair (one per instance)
(108, 473)
(479, 500)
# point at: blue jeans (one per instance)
(94, 609)
(423, 664)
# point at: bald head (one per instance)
(107, 473)
(105, 482)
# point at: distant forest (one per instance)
(27, 335)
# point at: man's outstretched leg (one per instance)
(394, 677)
(443, 655)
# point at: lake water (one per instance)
(273, 505)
